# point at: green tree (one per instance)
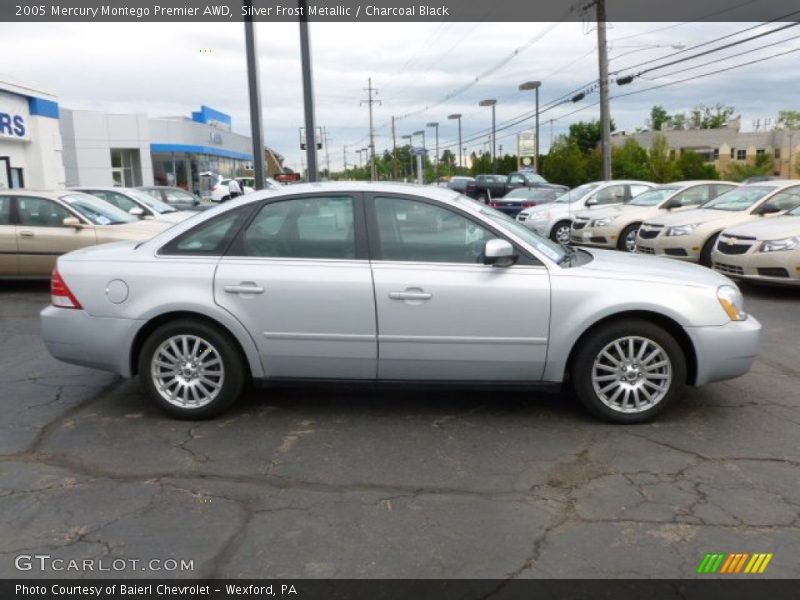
(705, 117)
(565, 163)
(763, 165)
(586, 134)
(658, 116)
(679, 121)
(692, 166)
(630, 161)
(663, 167)
(788, 120)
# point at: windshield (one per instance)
(150, 202)
(578, 193)
(654, 196)
(795, 212)
(550, 249)
(739, 199)
(97, 211)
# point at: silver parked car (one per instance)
(343, 281)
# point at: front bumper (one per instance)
(680, 247)
(75, 337)
(782, 268)
(597, 237)
(726, 351)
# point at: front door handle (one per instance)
(244, 288)
(26, 234)
(410, 295)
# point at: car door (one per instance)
(42, 236)
(442, 313)
(298, 278)
(9, 260)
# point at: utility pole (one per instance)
(435, 125)
(308, 94)
(344, 154)
(254, 86)
(458, 116)
(369, 101)
(605, 117)
(325, 139)
(394, 152)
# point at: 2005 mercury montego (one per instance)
(351, 282)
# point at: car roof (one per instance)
(52, 194)
(102, 188)
(774, 183)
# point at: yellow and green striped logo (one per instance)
(731, 564)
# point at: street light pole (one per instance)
(308, 94)
(436, 158)
(492, 103)
(534, 85)
(420, 159)
(254, 87)
(410, 139)
(458, 116)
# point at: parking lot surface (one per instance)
(303, 482)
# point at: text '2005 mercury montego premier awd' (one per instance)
(391, 283)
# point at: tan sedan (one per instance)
(37, 227)
(762, 251)
(616, 226)
(691, 235)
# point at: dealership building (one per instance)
(30, 138)
(46, 146)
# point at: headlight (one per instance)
(732, 302)
(603, 222)
(683, 229)
(778, 245)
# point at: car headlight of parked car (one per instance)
(732, 302)
(603, 222)
(789, 243)
(683, 229)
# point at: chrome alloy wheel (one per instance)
(187, 371)
(631, 374)
(630, 240)
(562, 234)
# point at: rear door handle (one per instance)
(26, 234)
(244, 288)
(410, 295)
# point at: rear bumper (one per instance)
(75, 337)
(726, 351)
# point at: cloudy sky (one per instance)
(171, 69)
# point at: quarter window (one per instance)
(420, 232)
(207, 239)
(39, 212)
(320, 228)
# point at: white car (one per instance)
(555, 219)
(221, 193)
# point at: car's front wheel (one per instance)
(191, 369)
(560, 233)
(628, 371)
(627, 239)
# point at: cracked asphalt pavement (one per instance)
(302, 482)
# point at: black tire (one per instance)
(219, 342)
(561, 225)
(591, 349)
(622, 243)
(705, 253)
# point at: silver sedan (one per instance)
(352, 282)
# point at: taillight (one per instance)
(60, 295)
(528, 204)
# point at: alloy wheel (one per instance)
(187, 371)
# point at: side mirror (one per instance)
(591, 202)
(767, 209)
(499, 253)
(72, 222)
(136, 211)
(673, 203)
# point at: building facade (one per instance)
(728, 146)
(30, 138)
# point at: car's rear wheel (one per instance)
(705, 253)
(627, 239)
(191, 369)
(560, 232)
(628, 371)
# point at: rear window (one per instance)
(210, 238)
